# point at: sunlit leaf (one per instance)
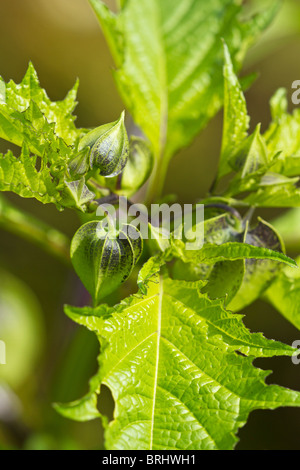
(170, 360)
(284, 295)
(169, 58)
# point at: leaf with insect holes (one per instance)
(46, 133)
(171, 358)
(16, 99)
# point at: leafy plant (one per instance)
(176, 354)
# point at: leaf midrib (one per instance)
(158, 332)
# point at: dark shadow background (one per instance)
(63, 40)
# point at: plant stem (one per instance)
(29, 227)
(224, 207)
(157, 180)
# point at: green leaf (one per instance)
(284, 295)
(252, 156)
(283, 135)
(211, 254)
(267, 167)
(150, 268)
(268, 171)
(169, 55)
(264, 164)
(284, 195)
(82, 410)
(258, 274)
(18, 98)
(21, 176)
(104, 257)
(171, 361)
(218, 229)
(239, 282)
(236, 119)
(251, 163)
(238, 264)
(50, 163)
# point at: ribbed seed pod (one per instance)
(104, 257)
(109, 147)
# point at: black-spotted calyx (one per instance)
(109, 147)
(104, 257)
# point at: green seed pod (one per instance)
(109, 147)
(139, 165)
(104, 257)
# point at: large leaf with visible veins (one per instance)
(169, 58)
(171, 358)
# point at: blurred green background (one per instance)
(48, 357)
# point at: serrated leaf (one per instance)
(211, 254)
(46, 133)
(152, 266)
(253, 154)
(18, 98)
(82, 410)
(169, 57)
(170, 360)
(267, 166)
(258, 274)
(251, 162)
(284, 195)
(236, 119)
(218, 229)
(284, 295)
(274, 183)
(283, 134)
(20, 176)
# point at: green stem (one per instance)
(157, 180)
(29, 227)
